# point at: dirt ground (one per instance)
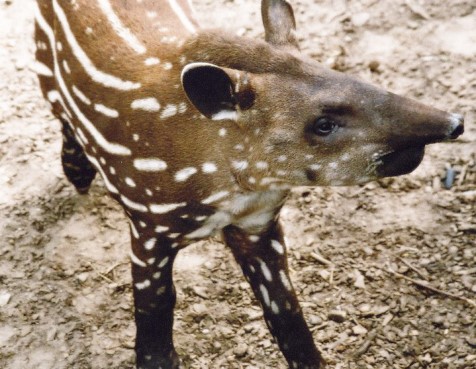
(386, 272)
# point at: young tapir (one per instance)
(200, 132)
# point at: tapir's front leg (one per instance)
(154, 300)
(263, 261)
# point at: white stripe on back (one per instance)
(182, 16)
(111, 148)
(121, 30)
(98, 76)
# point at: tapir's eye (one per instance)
(324, 126)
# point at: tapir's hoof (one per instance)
(83, 190)
(155, 361)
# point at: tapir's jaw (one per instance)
(400, 162)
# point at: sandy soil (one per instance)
(65, 298)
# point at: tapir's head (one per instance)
(308, 125)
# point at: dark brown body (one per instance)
(198, 132)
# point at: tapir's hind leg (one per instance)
(76, 165)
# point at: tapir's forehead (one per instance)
(314, 84)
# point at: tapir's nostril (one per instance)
(457, 123)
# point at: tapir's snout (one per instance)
(411, 127)
(457, 127)
(410, 123)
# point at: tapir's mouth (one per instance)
(400, 162)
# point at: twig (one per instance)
(320, 258)
(115, 266)
(106, 278)
(415, 269)
(318, 327)
(426, 285)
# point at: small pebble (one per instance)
(4, 298)
(337, 316)
(360, 19)
(315, 320)
(240, 350)
(359, 330)
(374, 65)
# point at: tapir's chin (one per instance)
(400, 162)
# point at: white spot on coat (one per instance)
(209, 168)
(184, 174)
(262, 165)
(164, 262)
(277, 247)
(150, 164)
(143, 285)
(108, 112)
(265, 294)
(150, 243)
(165, 208)
(130, 182)
(285, 280)
(161, 229)
(222, 132)
(265, 270)
(169, 111)
(148, 104)
(152, 61)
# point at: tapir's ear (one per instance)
(279, 23)
(218, 93)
